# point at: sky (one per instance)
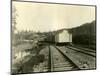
(49, 17)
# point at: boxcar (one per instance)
(63, 37)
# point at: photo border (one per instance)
(50, 3)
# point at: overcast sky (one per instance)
(48, 17)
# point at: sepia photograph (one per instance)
(52, 37)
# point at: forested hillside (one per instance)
(85, 34)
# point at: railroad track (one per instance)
(59, 61)
(84, 51)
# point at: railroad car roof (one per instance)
(59, 31)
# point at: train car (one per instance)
(50, 39)
(63, 36)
